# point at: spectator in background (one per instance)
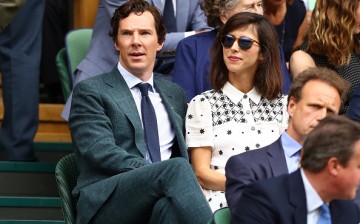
(314, 94)
(126, 176)
(245, 110)
(20, 54)
(333, 41)
(189, 19)
(319, 192)
(289, 19)
(192, 64)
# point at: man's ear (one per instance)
(291, 107)
(333, 165)
(160, 46)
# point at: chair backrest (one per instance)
(77, 44)
(221, 216)
(64, 73)
(66, 174)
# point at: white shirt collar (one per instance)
(313, 200)
(132, 80)
(236, 95)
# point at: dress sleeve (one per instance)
(199, 127)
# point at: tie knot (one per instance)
(325, 217)
(324, 208)
(144, 88)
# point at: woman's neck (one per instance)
(243, 82)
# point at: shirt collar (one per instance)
(291, 146)
(236, 95)
(313, 200)
(132, 80)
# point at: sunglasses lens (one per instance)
(245, 43)
(227, 41)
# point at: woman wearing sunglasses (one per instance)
(192, 62)
(245, 110)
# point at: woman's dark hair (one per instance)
(138, 7)
(268, 77)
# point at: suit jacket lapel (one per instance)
(167, 96)
(297, 197)
(277, 158)
(122, 96)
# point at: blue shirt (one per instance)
(291, 151)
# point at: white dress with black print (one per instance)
(232, 122)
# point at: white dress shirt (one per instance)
(166, 132)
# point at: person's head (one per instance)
(138, 33)
(333, 147)
(314, 94)
(247, 44)
(217, 12)
(334, 30)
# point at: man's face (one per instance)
(318, 100)
(349, 176)
(137, 42)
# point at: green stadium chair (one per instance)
(221, 216)
(66, 174)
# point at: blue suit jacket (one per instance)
(282, 200)
(246, 168)
(101, 56)
(353, 111)
(192, 64)
(108, 134)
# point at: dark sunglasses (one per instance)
(245, 43)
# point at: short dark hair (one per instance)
(323, 74)
(138, 7)
(335, 136)
(268, 77)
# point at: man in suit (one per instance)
(120, 181)
(314, 94)
(20, 54)
(101, 56)
(319, 192)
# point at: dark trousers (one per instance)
(164, 192)
(20, 52)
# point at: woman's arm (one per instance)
(208, 178)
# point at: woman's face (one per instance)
(239, 61)
(357, 19)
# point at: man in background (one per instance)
(314, 94)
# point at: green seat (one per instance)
(66, 174)
(221, 216)
(77, 44)
(64, 74)
(67, 59)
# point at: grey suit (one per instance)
(114, 175)
(101, 56)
